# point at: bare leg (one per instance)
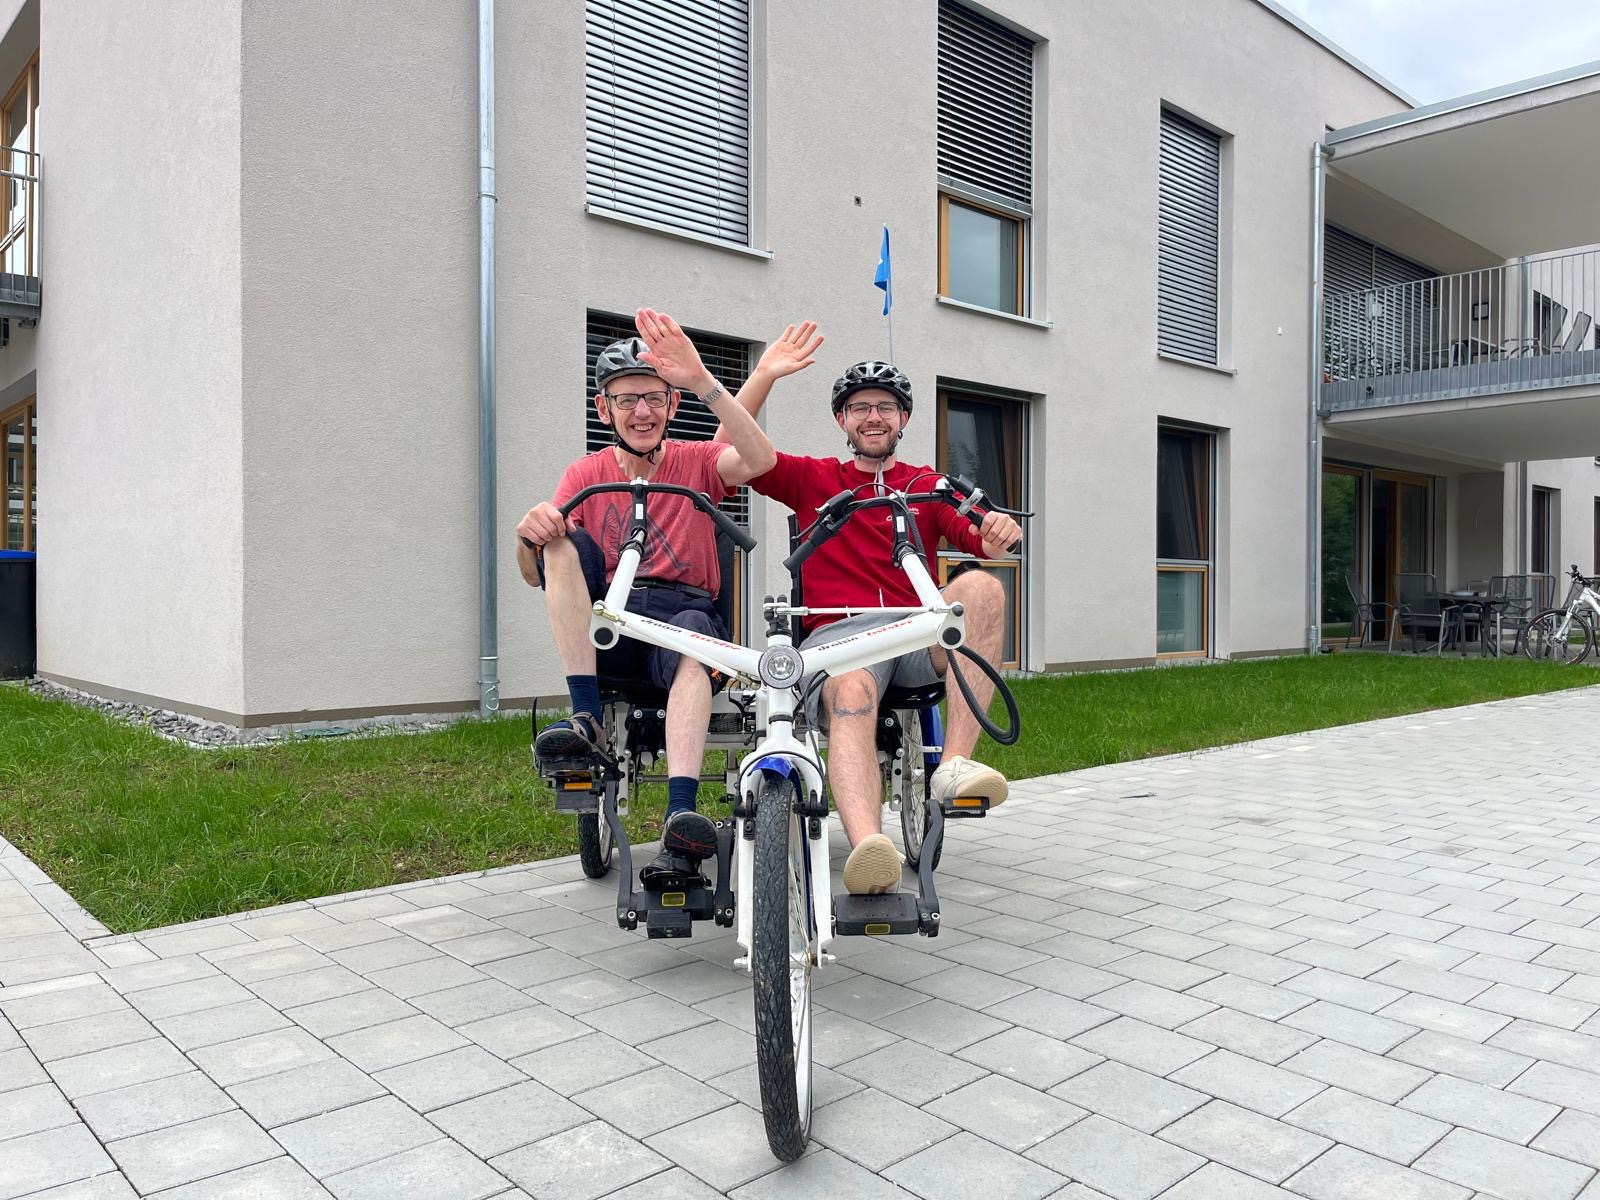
(851, 702)
(567, 599)
(688, 715)
(985, 601)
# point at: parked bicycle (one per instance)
(1566, 634)
(773, 883)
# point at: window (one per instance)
(667, 106)
(984, 437)
(19, 113)
(1183, 540)
(1543, 547)
(985, 160)
(1189, 239)
(727, 359)
(18, 428)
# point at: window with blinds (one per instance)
(1189, 239)
(726, 358)
(667, 107)
(985, 107)
(985, 157)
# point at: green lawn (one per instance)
(144, 832)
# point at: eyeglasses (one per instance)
(886, 408)
(628, 401)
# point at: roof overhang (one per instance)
(1513, 169)
(1515, 427)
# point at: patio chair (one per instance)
(1367, 612)
(1514, 600)
(1417, 606)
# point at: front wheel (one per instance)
(915, 790)
(595, 846)
(782, 953)
(1553, 636)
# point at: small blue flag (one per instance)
(881, 278)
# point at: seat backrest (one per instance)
(726, 551)
(1413, 589)
(1580, 330)
(1498, 588)
(795, 597)
(1357, 592)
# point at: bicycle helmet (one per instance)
(619, 359)
(616, 361)
(872, 374)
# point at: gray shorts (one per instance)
(913, 670)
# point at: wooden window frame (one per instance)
(28, 412)
(27, 85)
(1013, 428)
(1206, 566)
(946, 199)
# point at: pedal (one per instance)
(964, 807)
(875, 916)
(672, 914)
(575, 792)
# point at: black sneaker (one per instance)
(577, 736)
(669, 872)
(689, 835)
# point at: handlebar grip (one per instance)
(725, 523)
(976, 517)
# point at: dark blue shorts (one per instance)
(630, 659)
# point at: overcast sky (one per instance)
(1438, 49)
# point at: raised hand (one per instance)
(794, 351)
(671, 352)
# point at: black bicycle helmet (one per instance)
(872, 374)
(619, 359)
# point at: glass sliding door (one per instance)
(1343, 532)
(1184, 513)
(1542, 546)
(1402, 533)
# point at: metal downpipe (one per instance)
(488, 598)
(1313, 419)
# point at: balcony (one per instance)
(19, 245)
(1523, 327)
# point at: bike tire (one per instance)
(1540, 641)
(595, 846)
(782, 986)
(917, 793)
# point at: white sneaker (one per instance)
(958, 779)
(873, 867)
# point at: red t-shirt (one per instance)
(681, 544)
(853, 568)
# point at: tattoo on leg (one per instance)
(865, 711)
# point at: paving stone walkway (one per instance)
(1359, 963)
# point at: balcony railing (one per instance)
(19, 241)
(1520, 327)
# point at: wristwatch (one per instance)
(716, 393)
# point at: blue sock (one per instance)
(681, 790)
(585, 693)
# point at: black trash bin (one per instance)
(18, 617)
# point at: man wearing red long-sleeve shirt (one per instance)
(872, 403)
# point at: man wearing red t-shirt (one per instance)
(872, 404)
(574, 559)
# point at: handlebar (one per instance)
(958, 492)
(641, 489)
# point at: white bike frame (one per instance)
(919, 628)
(1586, 597)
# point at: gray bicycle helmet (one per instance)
(619, 359)
(872, 374)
